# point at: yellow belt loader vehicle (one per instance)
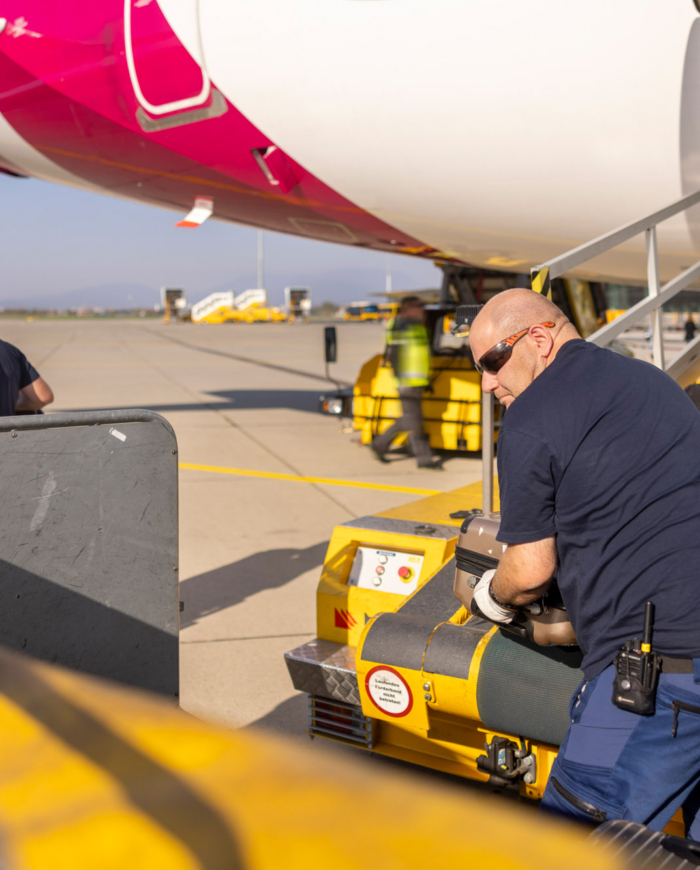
(452, 402)
(401, 668)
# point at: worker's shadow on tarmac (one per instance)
(224, 587)
(240, 400)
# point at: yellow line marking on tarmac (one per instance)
(329, 481)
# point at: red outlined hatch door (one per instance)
(166, 68)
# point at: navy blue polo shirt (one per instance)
(16, 372)
(604, 452)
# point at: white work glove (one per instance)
(485, 602)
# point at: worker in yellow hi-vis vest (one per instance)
(408, 353)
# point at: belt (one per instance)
(671, 665)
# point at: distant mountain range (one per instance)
(340, 286)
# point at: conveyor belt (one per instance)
(401, 639)
(522, 689)
(525, 689)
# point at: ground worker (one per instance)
(600, 483)
(690, 328)
(22, 390)
(408, 353)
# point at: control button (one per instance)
(405, 573)
(377, 581)
(380, 570)
(383, 560)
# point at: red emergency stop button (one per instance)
(405, 573)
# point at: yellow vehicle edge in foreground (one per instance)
(93, 775)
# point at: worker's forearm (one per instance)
(25, 404)
(507, 590)
(31, 402)
(34, 396)
(525, 572)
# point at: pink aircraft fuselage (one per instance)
(493, 134)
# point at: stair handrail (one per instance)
(210, 303)
(543, 275)
(256, 296)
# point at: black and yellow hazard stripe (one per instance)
(540, 282)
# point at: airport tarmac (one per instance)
(243, 398)
(240, 397)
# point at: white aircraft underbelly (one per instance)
(501, 132)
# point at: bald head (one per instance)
(512, 310)
(507, 314)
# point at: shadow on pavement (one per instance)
(291, 717)
(224, 587)
(239, 400)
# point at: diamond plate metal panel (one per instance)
(326, 669)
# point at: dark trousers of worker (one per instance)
(411, 420)
(614, 764)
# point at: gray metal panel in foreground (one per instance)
(326, 669)
(88, 544)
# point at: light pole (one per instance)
(261, 260)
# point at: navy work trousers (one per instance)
(614, 764)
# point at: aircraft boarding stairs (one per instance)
(212, 305)
(219, 307)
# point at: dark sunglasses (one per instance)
(494, 360)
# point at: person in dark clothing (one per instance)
(22, 389)
(690, 329)
(600, 483)
(408, 352)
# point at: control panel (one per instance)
(385, 570)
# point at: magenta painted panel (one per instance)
(281, 171)
(66, 90)
(165, 71)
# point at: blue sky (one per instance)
(67, 247)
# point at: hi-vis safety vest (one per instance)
(409, 352)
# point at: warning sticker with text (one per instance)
(388, 691)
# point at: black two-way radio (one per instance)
(637, 672)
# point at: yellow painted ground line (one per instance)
(330, 481)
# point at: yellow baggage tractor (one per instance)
(452, 403)
(401, 668)
(359, 312)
